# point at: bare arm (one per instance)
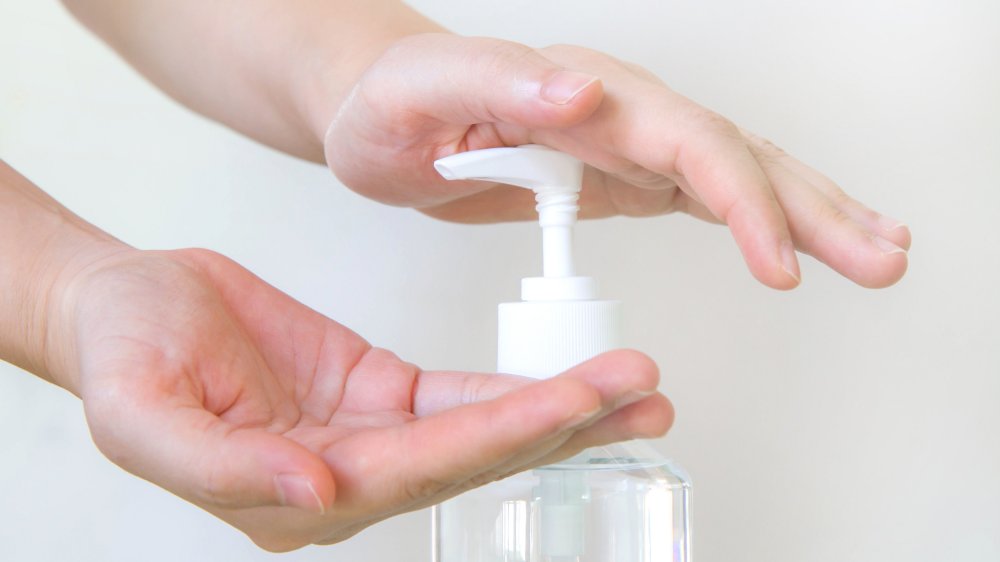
(378, 92)
(40, 242)
(274, 71)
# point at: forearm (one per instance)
(41, 243)
(273, 70)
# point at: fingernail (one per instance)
(564, 85)
(887, 247)
(631, 397)
(789, 262)
(580, 419)
(295, 490)
(889, 224)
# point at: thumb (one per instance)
(467, 80)
(208, 461)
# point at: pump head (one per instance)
(560, 321)
(556, 179)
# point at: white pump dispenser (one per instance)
(559, 322)
(620, 503)
(555, 177)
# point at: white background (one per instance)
(830, 423)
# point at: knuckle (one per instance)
(835, 216)
(472, 390)
(365, 359)
(647, 200)
(764, 145)
(715, 123)
(740, 205)
(638, 175)
(767, 159)
(842, 199)
(502, 57)
(826, 219)
(771, 148)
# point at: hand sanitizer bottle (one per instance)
(618, 503)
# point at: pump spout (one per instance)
(555, 177)
(531, 166)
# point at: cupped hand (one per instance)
(201, 378)
(649, 150)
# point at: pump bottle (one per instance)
(619, 503)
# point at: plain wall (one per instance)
(829, 423)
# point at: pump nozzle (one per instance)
(555, 177)
(532, 166)
(560, 321)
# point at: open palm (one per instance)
(200, 377)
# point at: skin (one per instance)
(202, 378)
(205, 380)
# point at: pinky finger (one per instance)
(880, 225)
(828, 233)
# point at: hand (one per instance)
(201, 378)
(650, 151)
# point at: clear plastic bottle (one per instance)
(619, 503)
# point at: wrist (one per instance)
(51, 352)
(331, 66)
(40, 240)
(46, 345)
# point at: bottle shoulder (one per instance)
(635, 458)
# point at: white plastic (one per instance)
(544, 338)
(575, 288)
(559, 321)
(555, 177)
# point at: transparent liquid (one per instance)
(621, 503)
